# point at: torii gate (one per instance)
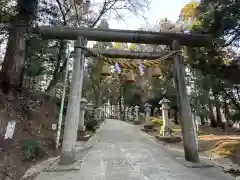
(112, 35)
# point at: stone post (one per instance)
(83, 106)
(136, 109)
(165, 108)
(147, 112)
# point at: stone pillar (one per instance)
(147, 112)
(136, 109)
(165, 108)
(83, 106)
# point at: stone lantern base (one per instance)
(137, 122)
(166, 131)
(82, 136)
(169, 139)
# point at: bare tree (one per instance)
(85, 13)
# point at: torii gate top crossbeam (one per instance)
(114, 35)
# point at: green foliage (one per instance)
(209, 80)
(189, 11)
(34, 68)
(235, 116)
(31, 149)
(96, 87)
(131, 95)
(7, 11)
(220, 17)
(36, 56)
(90, 122)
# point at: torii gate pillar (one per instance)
(72, 117)
(189, 132)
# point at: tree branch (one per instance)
(103, 11)
(62, 12)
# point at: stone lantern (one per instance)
(136, 109)
(83, 107)
(165, 108)
(147, 108)
(90, 106)
(130, 117)
(126, 113)
(122, 109)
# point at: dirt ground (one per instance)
(34, 114)
(34, 124)
(215, 144)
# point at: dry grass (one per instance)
(212, 141)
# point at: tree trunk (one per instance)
(58, 69)
(226, 112)
(218, 110)
(212, 118)
(218, 114)
(11, 75)
(175, 116)
(202, 120)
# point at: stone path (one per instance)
(122, 152)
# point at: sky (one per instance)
(159, 9)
